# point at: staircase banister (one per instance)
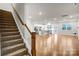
(33, 34)
(21, 19)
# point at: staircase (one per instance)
(11, 41)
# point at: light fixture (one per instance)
(67, 16)
(40, 13)
(70, 16)
(54, 19)
(30, 17)
(49, 24)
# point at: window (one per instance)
(66, 27)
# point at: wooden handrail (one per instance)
(33, 51)
(21, 19)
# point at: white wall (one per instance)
(67, 32)
(5, 6)
(78, 27)
(50, 11)
(58, 27)
(30, 24)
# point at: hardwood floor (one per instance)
(60, 45)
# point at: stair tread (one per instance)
(7, 23)
(16, 52)
(7, 26)
(26, 54)
(9, 20)
(9, 32)
(11, 41)
(13, 46)
(10, 36)
(9, 29)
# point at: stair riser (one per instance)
(4, 52)
(21, 54)
(7, 18)
(1, 18)
(10, 38)
(7, 21)
(7, 24)
(11, 26)
(15, 29)
(8, 34)
(6, 44)
(4, 25)
(8, 30)
(1, 14)
(8, 27)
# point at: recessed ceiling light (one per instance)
(71, 16)
(54, 18)
(68, 16)
(30, 17)
(49, 24)
(40, 13)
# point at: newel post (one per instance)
(33, 37)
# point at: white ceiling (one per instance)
(48, 11)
